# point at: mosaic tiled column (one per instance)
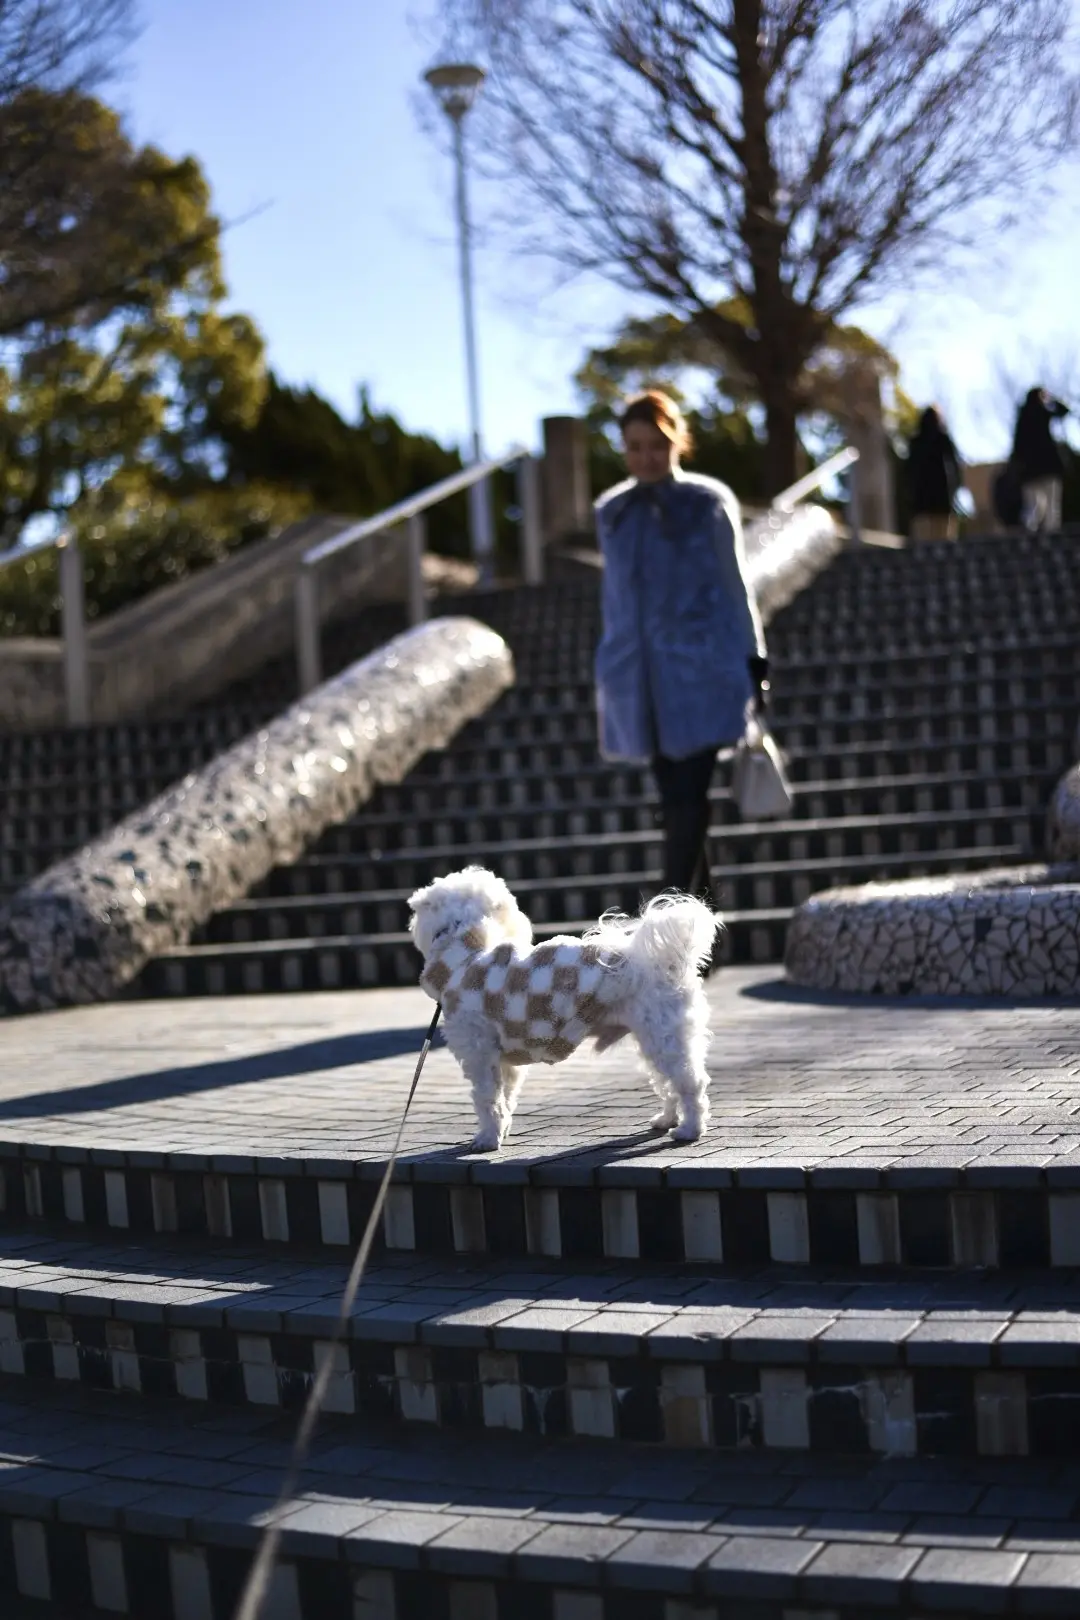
(83, 929)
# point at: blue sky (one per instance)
(342, 249)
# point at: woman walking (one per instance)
(682, 652)
(933, 478)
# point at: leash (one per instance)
(258, 1580)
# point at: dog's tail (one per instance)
(673, 937)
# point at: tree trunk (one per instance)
(782, 446)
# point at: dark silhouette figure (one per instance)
(934, 476)
(1037, 461)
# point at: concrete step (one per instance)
(104, 1509)
(546, 880)
(966, 1364)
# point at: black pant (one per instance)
(684, 811)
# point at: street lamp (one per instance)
(456, 86)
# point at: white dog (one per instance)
(508, 1003)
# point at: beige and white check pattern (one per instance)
(542, 1004)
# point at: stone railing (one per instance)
(85, 928)
(184, 642)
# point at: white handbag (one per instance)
(758, 783)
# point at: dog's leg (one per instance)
(512, 1082)
(483, 1072)
(674, 1042)
(669, 1105)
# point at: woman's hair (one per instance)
(662, 413)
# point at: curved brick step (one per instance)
(971, 1364)
(104, 1511)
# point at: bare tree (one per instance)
(60, 44)
(762, 167)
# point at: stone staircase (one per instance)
(926, 699)
(582, 1381)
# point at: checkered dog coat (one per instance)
(542, 1003)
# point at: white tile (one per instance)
(878, 1216)
(543, 1229)
(189, 1581)
(785, 1408)
(340, 1390)
(218, 1206)
(592, 1399)
(467, 1220)
(973, 1229)
(399, 1228)
(31, 1559)
(676, 1609)
(618, 1206)
(373, 1595)
(185, 1346)
(71, 1180)
(32, 1190)
(65, 1359)
(888, 1404)
(789, 1228)
(125, 1371)
(702, 1234)
(274, 1210)
(334, 1213)
(108, 1584)
(473, 1600)
(163, 1203)
(1001, 1426)
(686, 1406)
(416, 1388)
(116, 1204)
(1065, 1229)
(500, 1390)
(260, 1375)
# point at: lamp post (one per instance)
(456, 86)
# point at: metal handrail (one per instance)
(814, 479)
(411, 514)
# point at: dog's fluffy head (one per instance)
(474, 906)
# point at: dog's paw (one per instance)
(664, 1120)
(486, 1141)
(689, 1131)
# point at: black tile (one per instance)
(228, 1570)
(1053, 1408)
(659, 1214)
(52, 1191)
(924, 1228)
(140, 1203)
(1023, 1229)
(370, 1358)
(293, 1351)
(736, 1414)
(90, 1331)
(504, 1220)
(293, 1388)
(744, 1225)
(325, 1589)
(420, 1596)
(638, 1413)
(95, 1366)
(245, 1210)
(454, 1364)
(581, 1223)
(93, 1191)
(146, 1565)
(541, 1369)
(157, 1376)
(69, 1565)
(302, 1202)
(945, 1411)
(15, 1190)
(225, 1382)
(460, 1404)
(190, 1204)
(360, 1196)
(37, 1358)
(7, 1557)
(837, 1423)
(834, 1228)
(522, 1600)
(431, 1218)
(153, 1339)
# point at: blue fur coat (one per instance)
(679, 621)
